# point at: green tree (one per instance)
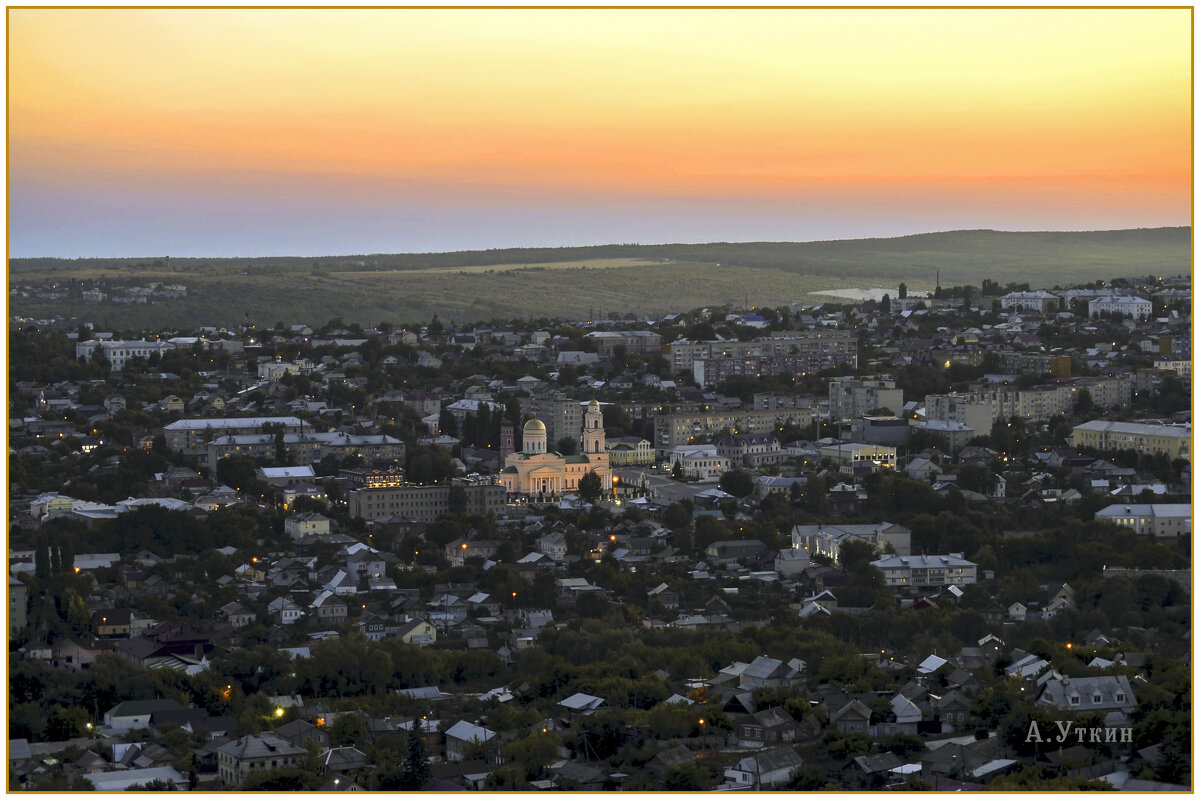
(347, 730)
(415, 772)
(737, 482)
(590, 487)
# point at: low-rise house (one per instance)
(298, 526)
(853, 717)
(767, 727)
(135, 714)
(238, 759)
(463, 738)
(329, 608)
(1103, 693)
(767, 672)
(417, 631)
(665, 595)
(284, 610)
(766, 769)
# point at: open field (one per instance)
(574, 283)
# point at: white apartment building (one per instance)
(1157, 519)
(921, 571)
(1129, 305)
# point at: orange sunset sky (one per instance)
(310, 131)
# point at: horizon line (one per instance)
(613, 244)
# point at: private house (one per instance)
(766, 769)
(329, 608)
(1103, 693)
(135, 714)
(284, 610)
(665, 595)
(417, 631)
(767, 727)
(236, 615)
(730, 551)
(165, 645)
(767, 672)
(463, 737)
(854, 717)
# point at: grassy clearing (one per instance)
(475, 269)
(574, 283)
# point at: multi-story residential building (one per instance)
(1025, 363)
(1129, 305)
(190, 436)
(980, 407)
(922, 571)
(685, 428)
(1155, 519)
(308, 448)
(751, 449)
(712, 371)
(850, 398)
(1037, 302)
(1182, 367)
(842, 346)
(773, 401)
(562, 415)
(422, 503)
(640, 342)
(1170, 440)
(18, 597)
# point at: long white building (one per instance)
(922, 571)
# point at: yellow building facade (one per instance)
(535, 471)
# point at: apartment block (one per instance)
(850, 398)
(422, 503)
(684, 428)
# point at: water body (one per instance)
(862, 295)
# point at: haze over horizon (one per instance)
(524, 246)
(220, 133)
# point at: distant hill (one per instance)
(657, 278)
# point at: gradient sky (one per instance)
(306, 132)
